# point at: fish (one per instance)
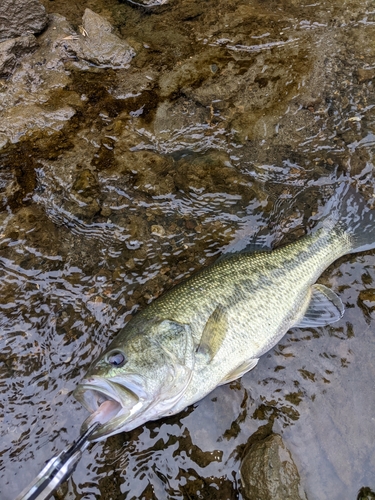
(212, 328)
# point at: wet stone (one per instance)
(365, 74)
(86, 184)
(105, 211)
(23, 108)
(9, 187)
(195, 69)
(147, 172)
(12, 50)
(32, 99)
(269, 473)
(31, 225)
(99, 45)
(84, 208)
(212, 173)
(20, 17)
(178, 115)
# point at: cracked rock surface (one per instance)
(99, 45)
(29, 101)
(21, 17)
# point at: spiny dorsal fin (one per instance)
(325, 307)
(252, 244)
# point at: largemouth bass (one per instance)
(215, 326)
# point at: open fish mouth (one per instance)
(110, 403)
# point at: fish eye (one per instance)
(116, 358)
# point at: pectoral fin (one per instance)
(240, 370)
(214, 333)
(325, 307)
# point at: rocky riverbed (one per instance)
(136, 145)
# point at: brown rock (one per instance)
(148, 172)
(269, 473)
(20, 17)
(12, 50)
(364, 75)
(86, 184)
(99, 45)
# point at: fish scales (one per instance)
(213, 327)
(249, 287)
(246, 278)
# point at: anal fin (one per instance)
(325, 307)
(245, 367)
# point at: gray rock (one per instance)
(99, 45)
(12, 50)
(21, 17)
(269, 473)
(32, 81)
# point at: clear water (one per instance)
(234, 119)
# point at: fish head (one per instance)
(142, 374)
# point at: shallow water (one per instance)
(234, 120)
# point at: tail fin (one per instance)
(354, 216)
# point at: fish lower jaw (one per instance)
(108, 403)
(119, 408)
(125, 419)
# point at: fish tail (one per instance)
(355, 219)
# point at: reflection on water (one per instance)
(232, 124)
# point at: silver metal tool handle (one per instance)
(58, 469)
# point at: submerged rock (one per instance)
(86, 184)
(99, 45)
(269, 473)
(33, 99)
(9, 187)
(25, 103)
(12, 50)
(21, 17)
